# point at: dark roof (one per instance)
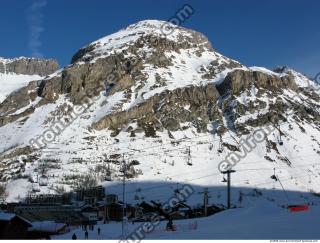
(57, 216)
(6, 216)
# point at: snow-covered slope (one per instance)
(261, 221)
(166, 100)
(10, 82)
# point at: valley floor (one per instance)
(263, 220)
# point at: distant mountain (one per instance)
(18, 72)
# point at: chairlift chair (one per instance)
(280, 142)
(298, 208)
(273, 177)
(43, 181)
(294, 208)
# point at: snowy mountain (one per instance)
(173, 108)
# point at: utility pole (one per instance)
(228, 172)
(123, 197)
(189, 161)
(205, 201)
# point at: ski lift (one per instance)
(280, 138)
(43, 181)
(210, 146)
(220, 149)
(280, 142)
(189, 161)
(224, 179)
(108, 178)
(294, 208)
(274, 177)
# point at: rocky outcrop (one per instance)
(240, 80)
(168, 110)
(16, 101)
(29, 66)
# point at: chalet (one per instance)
(213, 209)
(148, 208)
(90, 212)
(13, 226)
(56, 213)
(111, 198)
(181, 210)
(43, 229)
(114, 211)
(90, 195)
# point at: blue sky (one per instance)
(262, 33)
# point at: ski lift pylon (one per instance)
(189, 161)
(294, 208)
(220, 149)
(280, 138)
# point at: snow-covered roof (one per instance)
(47, 226)
(6, 216)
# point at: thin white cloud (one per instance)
(35, 18)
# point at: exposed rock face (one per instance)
(168, 110)
(240, 80)
(2, 67)
(21, 98)
(104, 63)
(29, 66)
(17, 100)
(269, 100)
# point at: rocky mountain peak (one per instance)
(146, 35)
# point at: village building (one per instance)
(13, 226)
(57, 213)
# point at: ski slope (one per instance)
(263, 220)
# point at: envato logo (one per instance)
(147, 227)
(246, 146)
(178, 19)
(58, 127)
